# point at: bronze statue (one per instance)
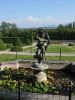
(43, 42)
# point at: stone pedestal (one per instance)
(41, 76)
(40, 66)
(39, 71)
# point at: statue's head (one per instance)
(41, 32)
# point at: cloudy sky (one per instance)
(36, 13)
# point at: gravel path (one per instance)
(30, 53)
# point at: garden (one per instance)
(55, 81)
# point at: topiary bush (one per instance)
(9, 45)
(17, 42)
(2, 45)
(16, 48)
(71, 44)
(28, 42)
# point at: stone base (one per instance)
(40, 66)
(41, 76)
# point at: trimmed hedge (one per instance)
(71, 44)
(2, 45)
(17, 42)
(28, 42)
(16, 48)
(9, 45)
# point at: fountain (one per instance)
(42, 43)
(28, 70)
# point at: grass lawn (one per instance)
(6, 57)
(29, 49)
(54, 48)
(64, 48)
(63, 58)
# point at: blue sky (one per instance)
(35, 13)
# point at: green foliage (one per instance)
(17, 42)
(11, 57)
(71, 44)
(55, 48)
(11, 83)
(16, 48)
(9, 45)
(2, 45)
(10, 31)
(39, 87)
(1, 34)
(28, 42)
(27, 38)
(8, 40)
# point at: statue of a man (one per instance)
(43, 42)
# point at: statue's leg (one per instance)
(46, 47)
(36, 56)
(42, 53)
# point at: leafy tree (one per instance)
(4, 28)
(8, 29)
(73, 25)
(60, 26)
(13, 30)
(70, 26)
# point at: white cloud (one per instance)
(31, 21)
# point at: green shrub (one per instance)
(71, 44)
(2, 45)
(28, 42)
(9, 45)
(16, 48)
(57, 42)
(17, 42)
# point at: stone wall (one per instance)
(33, 96)
(56, 65)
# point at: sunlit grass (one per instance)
(6, 57)
(64, 48)
(54, 48)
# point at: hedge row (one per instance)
(16, 46)
(2, 45)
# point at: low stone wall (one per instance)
(55, 65)
(37, 96)
(33, 96)
(13, 65)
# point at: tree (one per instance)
(13, 30)
(8, 29)
(4, 28)
(60, 26)
(73, 25)
(69, 26)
